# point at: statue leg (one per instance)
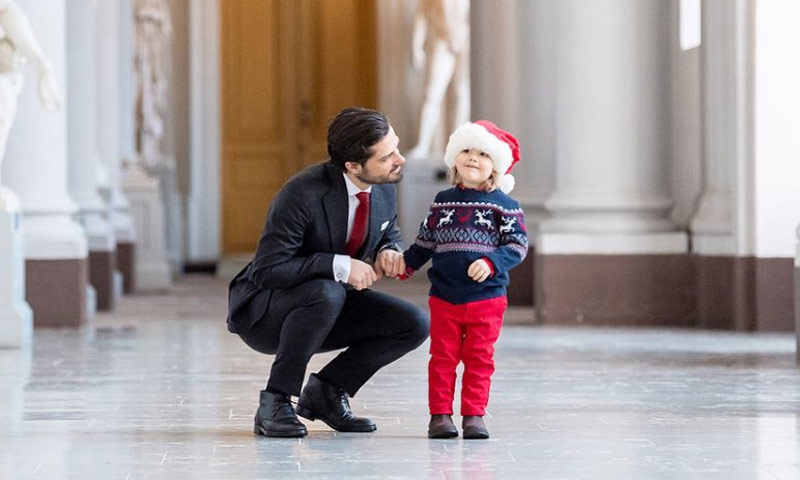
(463, 109)
(440, 72)
(8, 110)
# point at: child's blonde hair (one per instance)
(492, 183)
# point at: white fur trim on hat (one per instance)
(472, 135)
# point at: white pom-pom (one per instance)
(507, 183)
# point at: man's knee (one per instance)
(326, 294)
(418, 325)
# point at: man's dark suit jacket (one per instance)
(306, 226)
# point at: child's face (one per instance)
(474, 167)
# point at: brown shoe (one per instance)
(474, 428)
(442, 426)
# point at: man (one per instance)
(307, 288)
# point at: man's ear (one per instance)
(352, 167)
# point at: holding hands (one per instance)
(390, 263)
(479, 270)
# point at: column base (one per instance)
(774, 295)
(16, 318)
(102, 265)
(745, 293)
(143, 191)
(520, 288)
(797, 304)
(724, 300)
(153, 277)
(56, 291)
(16, 325)
(596, 279)
(126, 261)
(634, 290)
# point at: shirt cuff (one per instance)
(407, 274)
(341, 268)
(491, 265)
(392, 246)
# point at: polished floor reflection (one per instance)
(161, 390)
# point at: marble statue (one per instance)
(153, 34)
(18, 45)
(440, 45)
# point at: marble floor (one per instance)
(159, 389)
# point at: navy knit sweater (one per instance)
(462, 226)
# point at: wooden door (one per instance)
(287, 67)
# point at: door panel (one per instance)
(287, 67)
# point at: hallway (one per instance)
(160, 389)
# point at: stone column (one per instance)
(110, 113)
(723, 277)
(500, 50)
(723, 78)
(537, 60)
(611, 118)
(203, 202)
(610, 229)
(36, 169)
(83, 154)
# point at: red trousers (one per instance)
(463, 333)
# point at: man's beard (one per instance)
(365, 177)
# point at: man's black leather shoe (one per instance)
(330, 404)
(275, 417)
(442, 426)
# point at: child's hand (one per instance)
(479, 270)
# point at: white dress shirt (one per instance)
(341, 263)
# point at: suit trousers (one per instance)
(374, 328)
(463, 333)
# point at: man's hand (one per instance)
(361, 275)
(479, 270)
(390, 263)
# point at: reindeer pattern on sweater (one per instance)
(462, 226)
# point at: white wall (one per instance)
(777, 127)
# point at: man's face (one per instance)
(384, 166)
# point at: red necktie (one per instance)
(359, 225)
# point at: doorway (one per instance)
(287, 67)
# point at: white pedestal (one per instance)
(166, 174)
(422, 180)
(144, 195)
(16, 317)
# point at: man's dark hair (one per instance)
(352, 133)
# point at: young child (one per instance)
(475, 233)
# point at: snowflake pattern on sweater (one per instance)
(462, 226)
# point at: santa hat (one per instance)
(486, 136)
